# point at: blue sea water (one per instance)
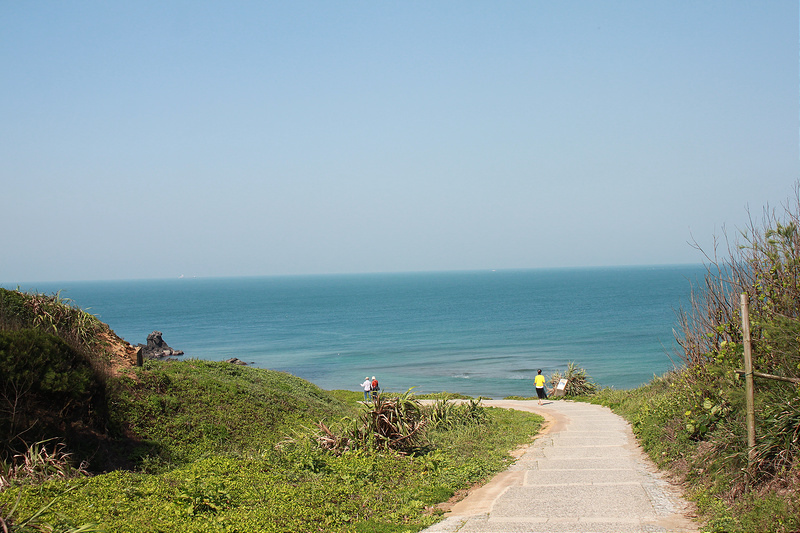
(478, 333)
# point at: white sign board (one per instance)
(562, 384)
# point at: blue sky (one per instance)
(154, 139)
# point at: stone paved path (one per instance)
(585, 473)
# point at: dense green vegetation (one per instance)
(204, 446)
(692, 421)
(54, 364)
(46, 372)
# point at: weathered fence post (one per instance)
(748, 377)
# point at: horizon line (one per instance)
(182, 277)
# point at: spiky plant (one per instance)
(578, 381)
(388, 423)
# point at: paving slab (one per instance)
(584, 473)
(579, 463)
(609, 453)
(620, 500)
(578, 477)
(593, 440)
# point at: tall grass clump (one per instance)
(448, 414)
(51, 314)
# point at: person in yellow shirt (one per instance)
(539, 382)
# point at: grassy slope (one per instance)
(219, 447)
(209, 460)
(190, 409)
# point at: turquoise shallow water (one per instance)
(479, 333)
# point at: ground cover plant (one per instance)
(180, 411)
(294, 485)
(204, 446)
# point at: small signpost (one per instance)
(560, 388)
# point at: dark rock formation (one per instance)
(235, 361)
(156, 348)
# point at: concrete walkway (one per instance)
(583, 473)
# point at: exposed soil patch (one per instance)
(122, 354)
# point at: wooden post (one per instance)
(748, 377)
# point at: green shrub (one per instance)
(37, 372)
(14, 311)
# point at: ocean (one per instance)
(477, 333)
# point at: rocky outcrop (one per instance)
(156, 348)
(235, 361)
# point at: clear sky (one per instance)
(151, 139)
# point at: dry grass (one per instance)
(41, 462)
